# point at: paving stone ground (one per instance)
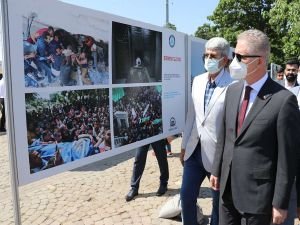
(95, 194)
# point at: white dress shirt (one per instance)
(2, 88)
(254, 92)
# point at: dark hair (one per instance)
(280, 70)
(292, 61)
(45, 34)
(50, 28)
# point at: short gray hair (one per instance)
(258, 40)
(218, 44)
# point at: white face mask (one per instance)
(212, 65)
(238, 70)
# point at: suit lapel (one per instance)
(202, 87)
(217, 92)
(263, 97)
(234, 103)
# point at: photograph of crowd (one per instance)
(137, 113)
(136, 54)
(66, 126)
(55, 57)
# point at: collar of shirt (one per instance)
(217, 78)
(287, 85)
(258, 84)
(255, 89)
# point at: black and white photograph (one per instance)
(136, 54)
(55, 57)
(137, 113)
(66, 126)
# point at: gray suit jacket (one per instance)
(260, 161)
(204, 126)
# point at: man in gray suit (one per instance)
(203, 122)
(255, 165)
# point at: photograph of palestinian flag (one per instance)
(137, 113)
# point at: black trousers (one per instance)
(140, 162)
(229, 215)
(2, 121)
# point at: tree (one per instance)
(206, 31)
(170, 26)
(285, 19)
(279, 19)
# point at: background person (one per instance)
(290, 74)
(280, 74)
(294, 204)
(139, 166)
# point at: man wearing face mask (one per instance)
(203, 121)
(290, 73)
(255, 160)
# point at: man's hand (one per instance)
(181, 157)
(298, 212)
(214, 181)
(278, 215)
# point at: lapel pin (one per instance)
(266, 96)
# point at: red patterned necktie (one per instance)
(243, 108)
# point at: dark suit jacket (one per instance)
(296, 91)
(261, 159)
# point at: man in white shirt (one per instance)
(204, 118)
(290, 74)
(255, 161)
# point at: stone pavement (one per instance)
(94, 194)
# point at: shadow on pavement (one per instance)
(107, 163)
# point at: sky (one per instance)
(187, 16)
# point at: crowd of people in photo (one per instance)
(58, 58)
(67, 132)
(144, 111)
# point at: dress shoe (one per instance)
(161, 190)
(131, 194)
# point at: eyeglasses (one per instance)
(240, 57)
(206, 56)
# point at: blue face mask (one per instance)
(212, 65)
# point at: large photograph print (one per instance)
(137, 113)
(55, 57)
(66, 126)
(136, 54)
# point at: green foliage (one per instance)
(279, 19)
(206, 31)
(285, 19)
(170, 26)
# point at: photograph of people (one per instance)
(66, 126)
(136, 54)
(137, 113)
(55, 57)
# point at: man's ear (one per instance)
(225, 61)
(260, 60)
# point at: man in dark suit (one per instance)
(254, 164)
(139, 166)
